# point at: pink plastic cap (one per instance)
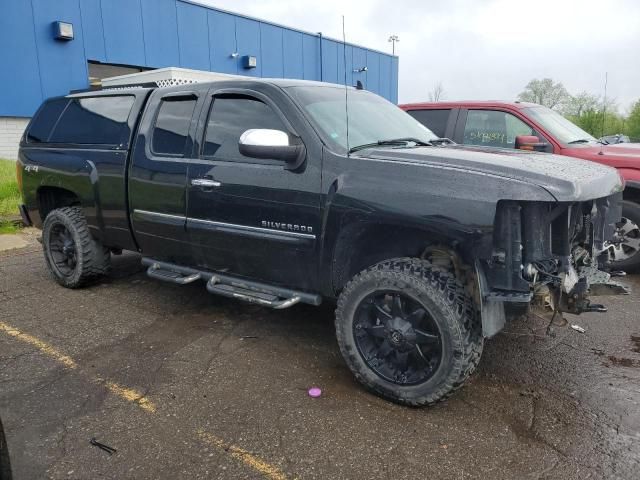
(315, 392)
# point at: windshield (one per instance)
(371, 118)
(561, 128)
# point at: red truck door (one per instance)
(493, 127)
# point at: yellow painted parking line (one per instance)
(40, 345)
(125, 393)
(133, 396)
(241, 454)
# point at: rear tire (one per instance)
(628, 250)
(394, 352)
(73, 256)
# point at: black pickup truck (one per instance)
(265, 192)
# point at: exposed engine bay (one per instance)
(548, 258)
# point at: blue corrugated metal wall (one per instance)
(162, 33)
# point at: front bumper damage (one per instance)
(547, 258)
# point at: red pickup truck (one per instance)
(529, 126)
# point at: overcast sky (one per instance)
(481, 49)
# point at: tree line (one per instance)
(592, 113)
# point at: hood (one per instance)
(620, 155)
(567, 179)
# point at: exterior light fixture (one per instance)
(63, 30)
(234, 54)
(249, 61)
(360, 70)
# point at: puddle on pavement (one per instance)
(618, 361)
(623, 362)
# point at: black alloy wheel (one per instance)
(410, 332)
(63, 250)
(397, 337)
(73, 255)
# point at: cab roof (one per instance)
(243, 81)
(467, 104)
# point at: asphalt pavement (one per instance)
(183, 384)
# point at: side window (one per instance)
(492, 128)
(230, 117)
(516, 127)
(171, 129)
(434, 120)
(44, 121)
(94, 121)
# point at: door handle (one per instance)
(205, 182)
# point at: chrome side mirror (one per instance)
(265, 137)
(272, 144)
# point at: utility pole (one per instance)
(604, 103)
(393, 39)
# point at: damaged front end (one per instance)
(546, 259)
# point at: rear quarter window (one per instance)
(171, 130)
(94, 121)
(434, 120)
(45, 120)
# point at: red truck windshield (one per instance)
(562, 129)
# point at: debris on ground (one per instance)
(102, 446)
(578, 328)
(530, 393)
(315, 392)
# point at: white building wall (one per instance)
(11, 129)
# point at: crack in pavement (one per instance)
(530, 433)
(132, 396)
(543, 473)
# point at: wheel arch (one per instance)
(52, 193)
(362, 244)
(49, 198)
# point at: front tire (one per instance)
(626, 248)
(408, 331)
(73, 256)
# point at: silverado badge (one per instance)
(287, 226)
